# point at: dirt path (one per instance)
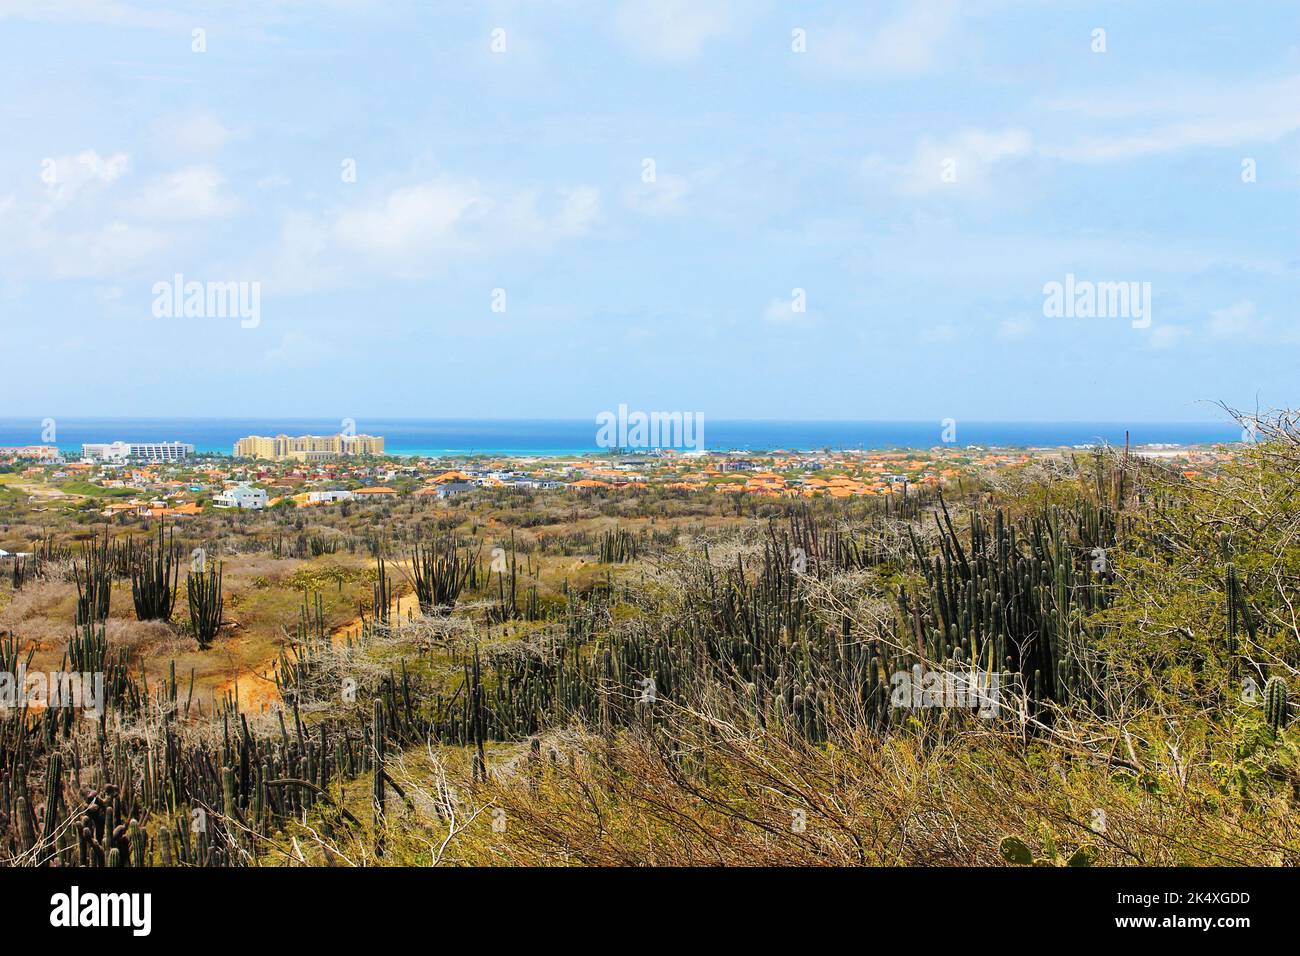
(254, 687)
(41, 491)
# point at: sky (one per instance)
(742, 208)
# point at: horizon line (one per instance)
(1228, 421)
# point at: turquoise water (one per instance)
(433, 437)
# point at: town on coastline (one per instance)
(169, 479)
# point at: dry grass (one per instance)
(708, 793)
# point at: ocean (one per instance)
(458, 437)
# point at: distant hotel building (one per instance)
(153, 452)
(37, 452)
(308, 447)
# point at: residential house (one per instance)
(243, 495)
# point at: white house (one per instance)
(328, 497)
(451, 489)
(243, 495)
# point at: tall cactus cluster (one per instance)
(154, 571)
(506, 564)
(382, 594)
(1013, 599)
(35, 566)
(618, 546)
(93, 574)
(18, 573)
(302, 669)
(1017, 596)
(170, 798)
(440, 572)
(206, 603)
(379, 748)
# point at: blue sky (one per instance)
(129, 158)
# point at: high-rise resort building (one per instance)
(308, 447)
(152, 452)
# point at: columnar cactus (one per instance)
(154, 571)
(93, 575)
(139, 842)
(377, 742)
(1275, 703)
(26, 825)
(205, 604)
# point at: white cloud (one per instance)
(1111, 127)
(199, 132)
(105, 252)
(71, 226)
(65, 176)
(423, 229)
(1174, 118)
(197, 192)
(1235, 321)
(909, 43)
(673, 29)
(1242, 322)
(673, 194)
(88, 11)
(78, 224)
(427, 214)
(960, 164)
(173, 16)
(664, 197)
(579, 210)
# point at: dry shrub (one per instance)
(49, 599)
(144, 638)
(708, 790)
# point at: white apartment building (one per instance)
(241, 496)
(152, 452)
